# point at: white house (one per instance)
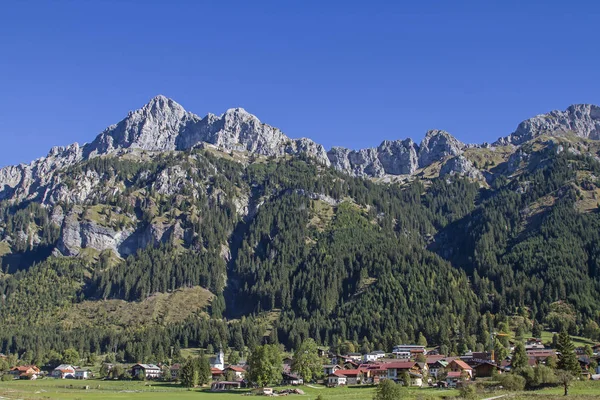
(63, 371)
(336, 379)
(406, 351)
(81, 373)
(149, 371)
(373, 356)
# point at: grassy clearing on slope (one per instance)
(161, 308)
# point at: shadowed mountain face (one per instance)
(384, 243)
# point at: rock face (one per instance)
(164, 125)
(398, 157)
(581, 119)
(459, 165)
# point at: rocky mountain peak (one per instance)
(583, 120)
(436, 145)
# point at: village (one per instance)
(409, 365)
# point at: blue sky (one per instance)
(342, 73)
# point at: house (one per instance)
(292, 379)
(218, 361)
(148, 371)
(533, 344)
(336, 379)
(373, 356)
(453, 378)
(25, 372)
(322, 352)
(224, 385)
(374, 373)
(82, 373)
(63, 371)
(408, 351)
(485, 369)
(541, 355)
(351, 364)
(396, 369)
(435, 366)
(238, 372)
(175, 369)
(354, 356)
(329, 369)
(353, 376)
(217, 374)
(458, 365)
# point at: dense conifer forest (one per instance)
(316, 253)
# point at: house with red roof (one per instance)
(336, 379)
(458, 365)
(238, 372)
(25, 372)
(63, 371)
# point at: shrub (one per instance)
(512, 382)
(6, 378)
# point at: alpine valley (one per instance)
(170, 230)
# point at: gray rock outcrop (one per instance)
(583, 120)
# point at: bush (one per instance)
(512, 382)
(468, 391)
(7, 377)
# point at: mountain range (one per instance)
(169, 229)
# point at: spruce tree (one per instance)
(568, 359)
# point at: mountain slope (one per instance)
(291, 246)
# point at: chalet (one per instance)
(353, 376)
(373, 356)
(82, 373)
(329, 369)
(351, 365)
(63, 371)
(459, 365)
(435, 364)
(217, 374)
(292, 379)
(396, 369)
(147, 371)
(375, 372)
(534, 344)
(175, 370)
(541, 355)
(224, 385)
(408, 351)
(354, 356)
(453, 378)
(238, 372)
(322, 352)
(336, 379)
(25, 372)
(485, 369)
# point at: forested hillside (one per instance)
(279, 249)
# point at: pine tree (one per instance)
(568, 359)
(519, 357)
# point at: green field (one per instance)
(68, 389)
(71, 390)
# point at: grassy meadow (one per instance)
(49, 388)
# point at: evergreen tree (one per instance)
(568, 359)
(519, 357)
(189, 375)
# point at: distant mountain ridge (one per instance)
(164, 125)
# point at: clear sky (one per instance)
(349, 73)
